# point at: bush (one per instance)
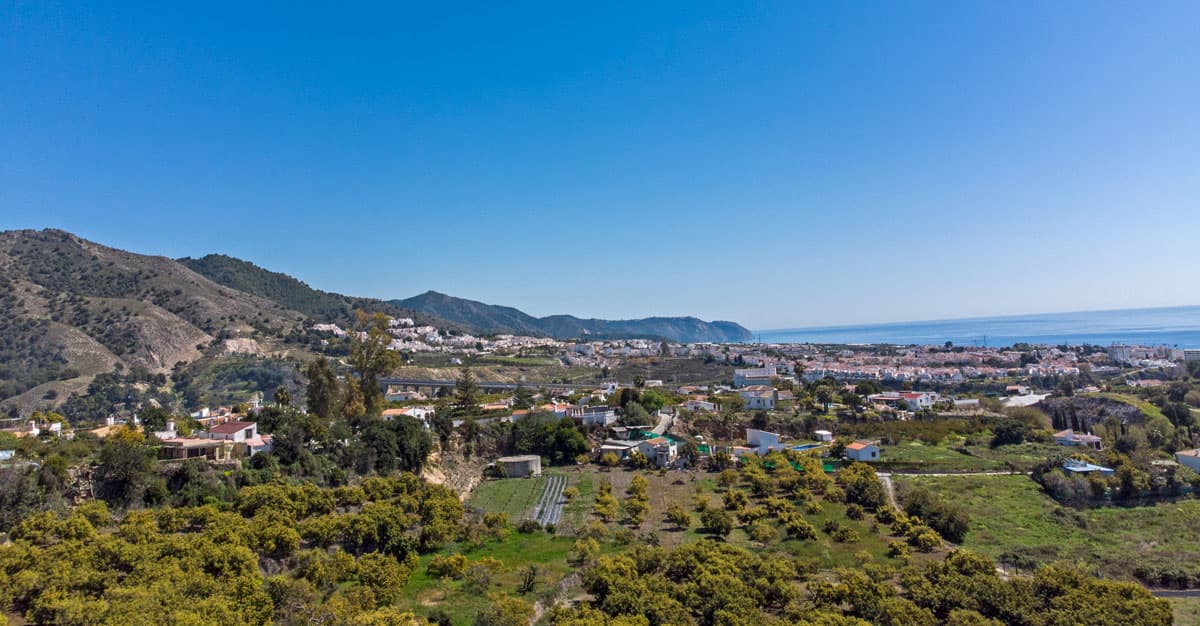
(949, 520)
(845, 535)
(716, 522)
(797, 527)
(528, 526)
(762, 531)
(449, 566)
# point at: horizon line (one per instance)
(970, 319)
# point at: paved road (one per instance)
(664, 422)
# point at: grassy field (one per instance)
(513, 496)
(1010, 516)
(940, 457)
(549, 553)
(1187, 611)
(958, 454)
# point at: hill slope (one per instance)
(292, 293)
(71, 308)
(501, 319)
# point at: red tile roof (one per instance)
(229, 428)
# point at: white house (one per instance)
(660, 450)
(759, 397)
(597, 416)
(862, 450)
(700, 406)
(621, 448)
(1189, 458)
(761, 441)
(911, 400)
(823, 435)
(237, 432)
(753, 376)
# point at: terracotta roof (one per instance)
(229, 428)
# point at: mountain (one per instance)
(294, 294)
(71, 309)
(490, 318)
(447, 311)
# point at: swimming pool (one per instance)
(806, 446)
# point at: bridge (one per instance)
(416, 384)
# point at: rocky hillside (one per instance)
(501, 319)
(71, 308)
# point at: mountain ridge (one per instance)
(499, 318)
(71, 309)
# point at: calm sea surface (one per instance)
(1176, 326)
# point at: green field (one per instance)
(517, 496)
(939, 457)
(549, 553)
(513, 496)
(958, 454)
(1012, 519)
(1187, 611)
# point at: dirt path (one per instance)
(889, 489)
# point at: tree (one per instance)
(322, 391)
(1008, 430)
(678, 516)
(505, 611)
(716, 522)
(125, 464)
(528, 579)
(636, 510)
(522, 397)
(154, 419)
(282, 396)
(605, 507)
(371, 356)
(383, 575)
(466, 393)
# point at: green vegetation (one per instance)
(1148, 409)
(513, 497)
(1013, 521)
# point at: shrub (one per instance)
(845, 535)
(897, 549)
(449, 566)
(528, 526)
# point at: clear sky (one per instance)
(785, 164)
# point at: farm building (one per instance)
(521, 466)
(862, 451)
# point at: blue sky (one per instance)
(776, 164)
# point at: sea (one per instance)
(1178, 327)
